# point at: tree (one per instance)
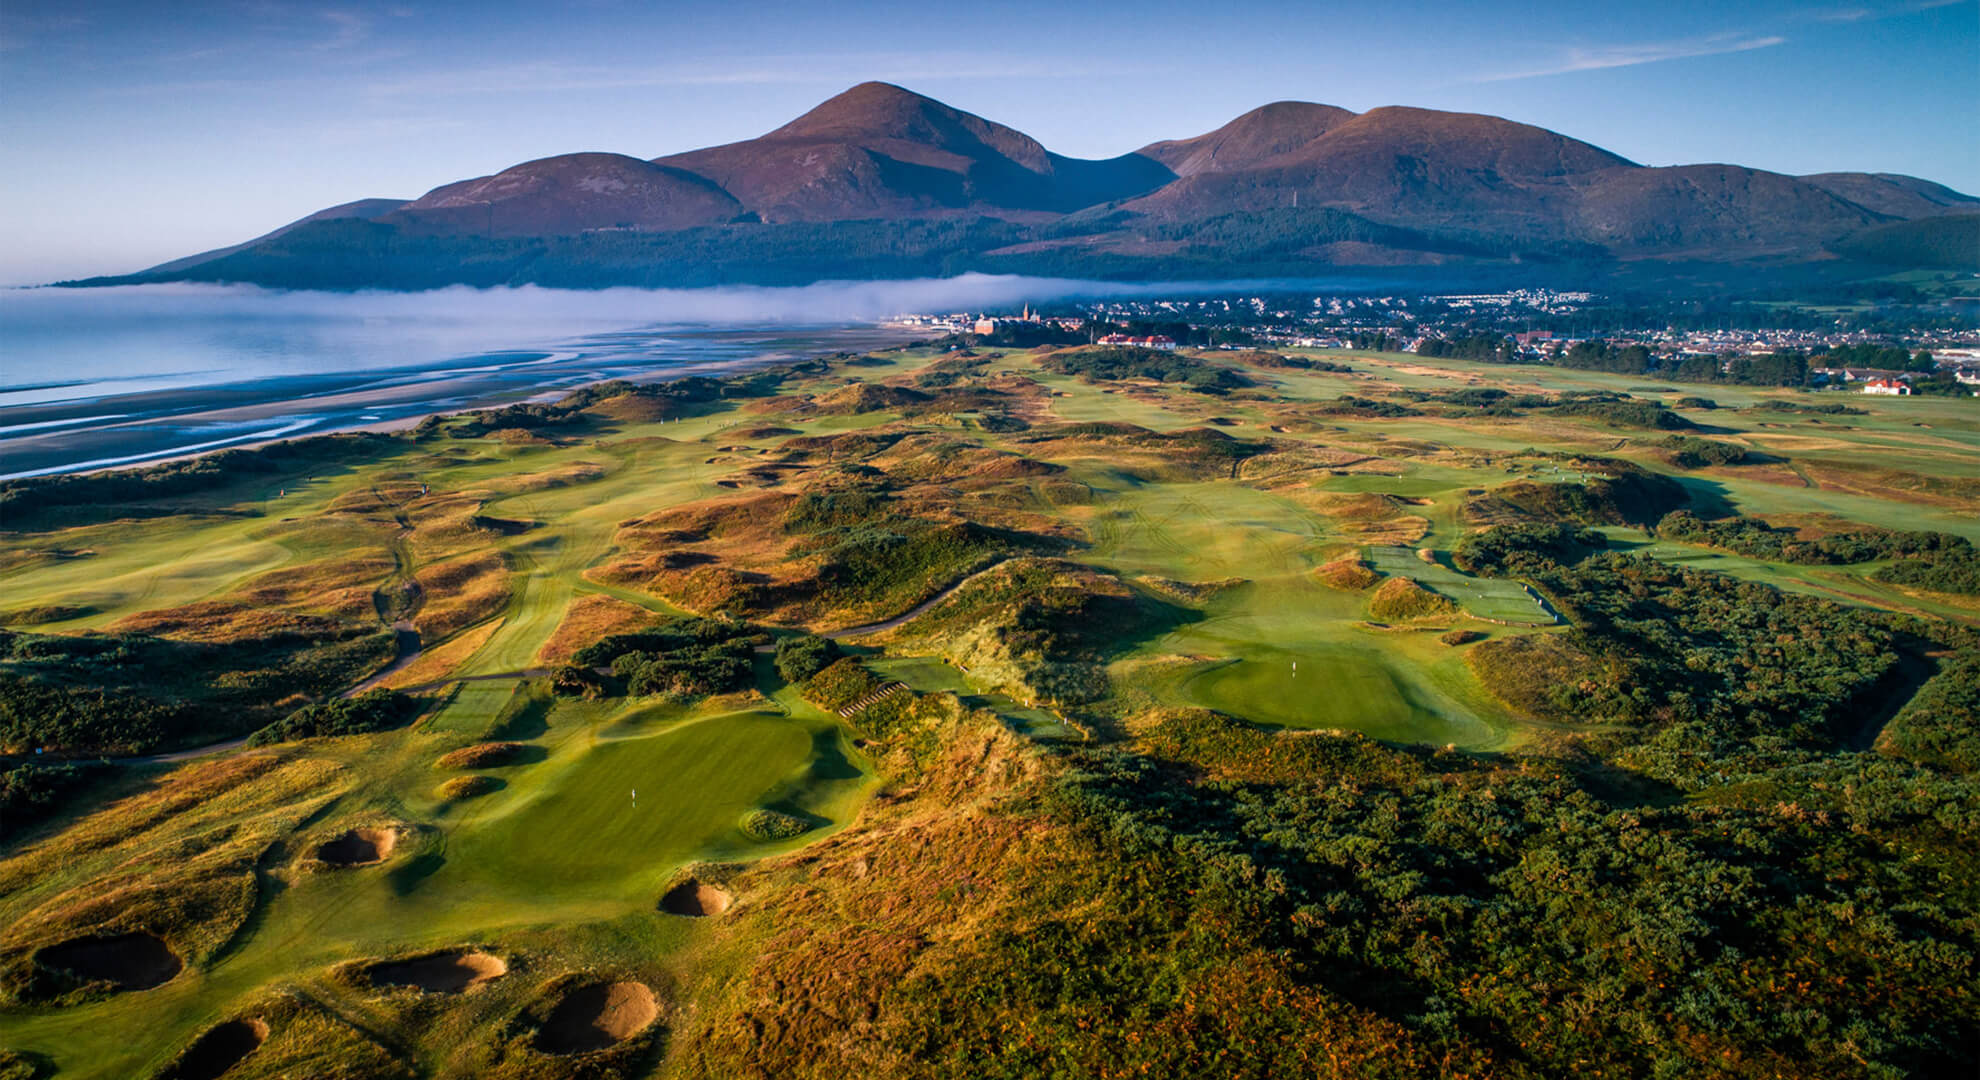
(799, 658)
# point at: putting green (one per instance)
(1287, 651)
(612, 817)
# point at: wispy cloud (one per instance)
(1872, 13)
(552, 77)
(1597, 58)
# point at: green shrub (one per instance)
(1695, 453)
(31, 791)
(1111, 362)
(801, 657)
(684, 658)
(374, 710)
(771, 825)
(1624, 413)
(840, 684)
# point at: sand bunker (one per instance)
(127, 961)
(359, 847)
(220, 1049)
(695, 899)
(596, 1016)
(440, 973)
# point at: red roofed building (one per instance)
(1887, 386)
(1159, 341)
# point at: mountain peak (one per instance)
(878, 110)
(1252, 139)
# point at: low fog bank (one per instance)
(823, 303)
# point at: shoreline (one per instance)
(138, 431)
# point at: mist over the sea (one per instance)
(57, 344)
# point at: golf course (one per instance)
(959, 710)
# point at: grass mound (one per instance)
(865, 397)
(218, 1050)
(1402, 600)
(1040, 629)
(486, 755)
(469, 787)
(452, 971)
(769, 825)
(1350, 574)
(695, 899)
(597, 1016)
(1461, 637)
(45, 613)
(126, 961)
(358, 847)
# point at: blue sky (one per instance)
(137, 132)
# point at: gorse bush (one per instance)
(772, 825)
(133, 693)
(31, 791)
(1114, 362)
(799, 658)
(682, 659)
(1940, 562)
(1695, 453)
(373, 710)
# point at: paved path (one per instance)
(183, 755)
(918, 609)
(409, 650)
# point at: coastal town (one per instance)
(1523, 326)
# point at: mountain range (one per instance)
(880, 181)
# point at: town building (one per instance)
(1887, 386)
(1158, 341)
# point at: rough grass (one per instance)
(1402, 600)
(177, 862)
(460, 592)
(481, 756)
(589, 618)
(1522, 670)
(304, 1038)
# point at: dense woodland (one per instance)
(136, 693)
